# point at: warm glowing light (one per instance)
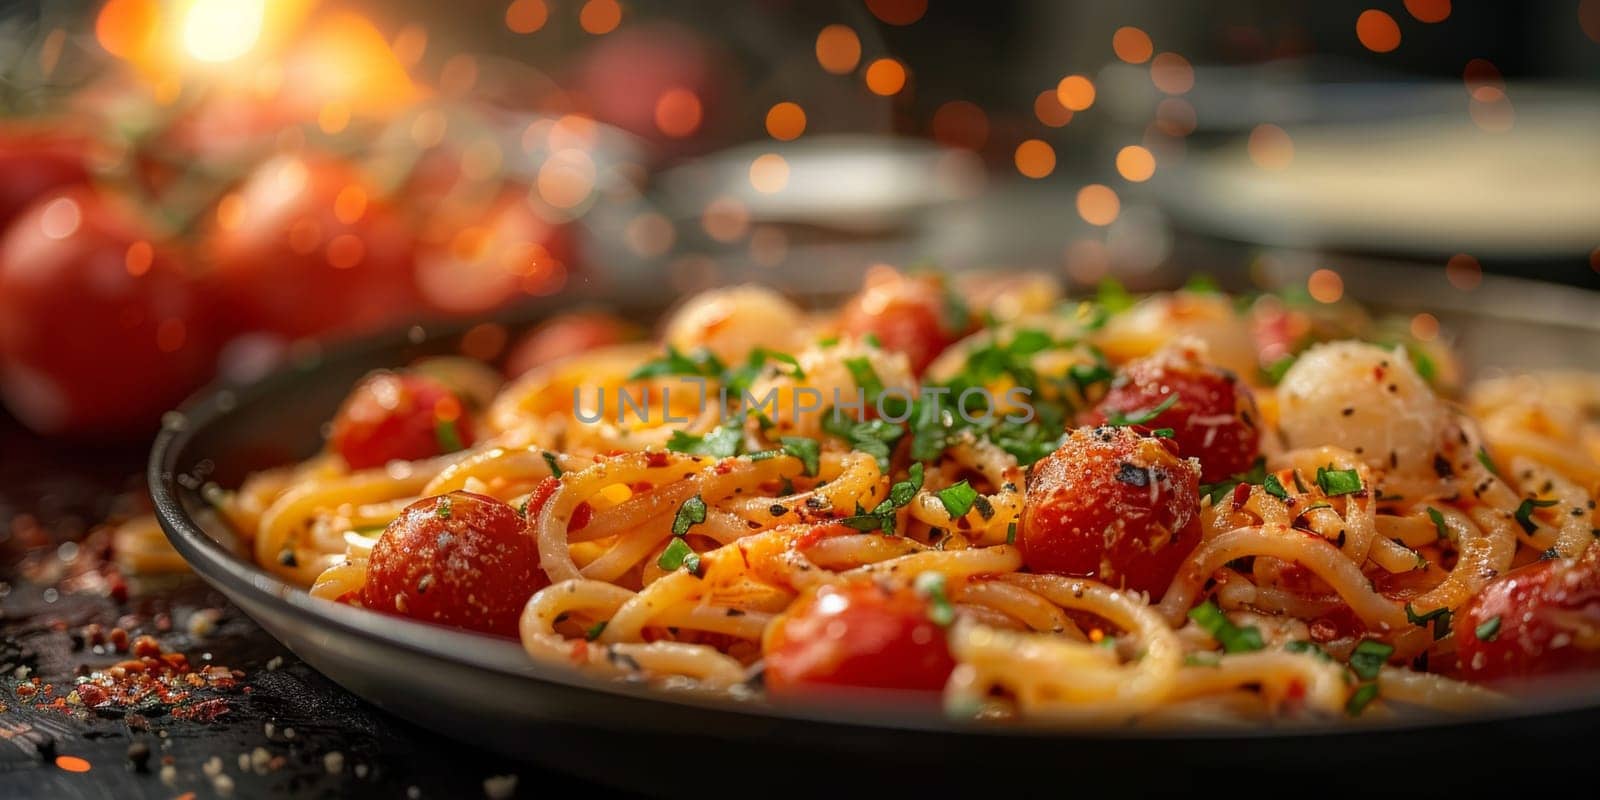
(61, 218)
(127, 28)
(1098, 205)
(1047, 107)
(838, 49)
(1035, 158)
(678, 113)
(1171, 73)
(410, 44)
(138, 259)
(898, 12)
(1132, 45)
(1176, 117)
(1425, 327)
(526, 16)
(566, 178)
(72, 764)
(230, 211)
(1463, 272)
(769, 173)
(350, 204)
(960, 123)
(429, 128)
(573, 131)
(725, 219)
(786, 121)
(1429, 10)
(1491, 110)
(1377, 31)
(1481, 73)
(1325, 286)
(1270, 147)
(346, 251)
(333, 117)
(649, 234)
(1075, 92)
(1135, 163)
(481, 160)
(346, 59)
(600, 17)
(886, 77)
(222, 30)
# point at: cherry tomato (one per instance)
(1112, 505)
(1214, 418)
(461, 559)
(567, 335)
(908, 314)
(402, 416)
(305, 248)
(860, 635)
(1535, 620)
(480, 261)
(35, 164)
(101, 329)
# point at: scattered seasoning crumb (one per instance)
(203, 623)
(223, 784)
(288, 733)
(169, 774)
(119, 640)
(333, 762)
(212, 767)
(361, 770)
(139, 756)
(275, 664)
(259, 759)
(499, 787)
(268, 728)
(244, 762)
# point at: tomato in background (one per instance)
(399, 416)
(910, 314)
(481, 260)
(568, 335)
(656, 81)
(306, 248)
(101, 329)
(33, 164)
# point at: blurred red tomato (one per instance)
(479, 262)
(568, 335)
(307, 248)
(32, 164)
(100, 328)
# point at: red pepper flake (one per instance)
(119, 640)
(655, 459)
(146, 646)
(1241, 493)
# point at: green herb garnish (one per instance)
(1233, 638)
(958, 499)
(690, 514)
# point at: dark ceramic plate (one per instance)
(481, 690)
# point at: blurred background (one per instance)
(191, 188)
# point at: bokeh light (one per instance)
(1171, 73)
(838, 49)
(960, 123)
(1425, 327)
(1135, 163)
(1047, 107)
(1463, 272)
(1132, 45)
(1491, 110)
(1035, 158)
(138, 259)
(725, 219)
(1325, 286)
(1429, 10)
(898, 12)
(526, 16)
(600, 17)
(566, 178)
(1481, 73)
(1270, 147)
(1377, 31)
(1075, 92)
(678, 112)
(886, 77)
(649, 234)
(1175, 117)
(1098, 204)
(222, 30)
(769, 173)
(786, 121)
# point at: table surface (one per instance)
(281, 722)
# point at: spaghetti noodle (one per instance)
(1099, 524)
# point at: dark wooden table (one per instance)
(283, 730)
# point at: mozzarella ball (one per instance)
(1365, 399)
(733, 321)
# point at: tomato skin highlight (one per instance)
(1214, 419)
(461, 559)
(101, 327)
(907, 314)
(34, 164)
(398, 416)
(1112, 505)
(856, 636)
(1537, 620)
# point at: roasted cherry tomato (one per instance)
(460, 559)
(35, 164)
(567, 335)
(307, 248)
(1535, 620)
(860, 635)
(402, 416)
(908, 314)
(1112, 505)
(1213, 419)
(101, 328)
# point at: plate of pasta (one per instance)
(956, 508)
